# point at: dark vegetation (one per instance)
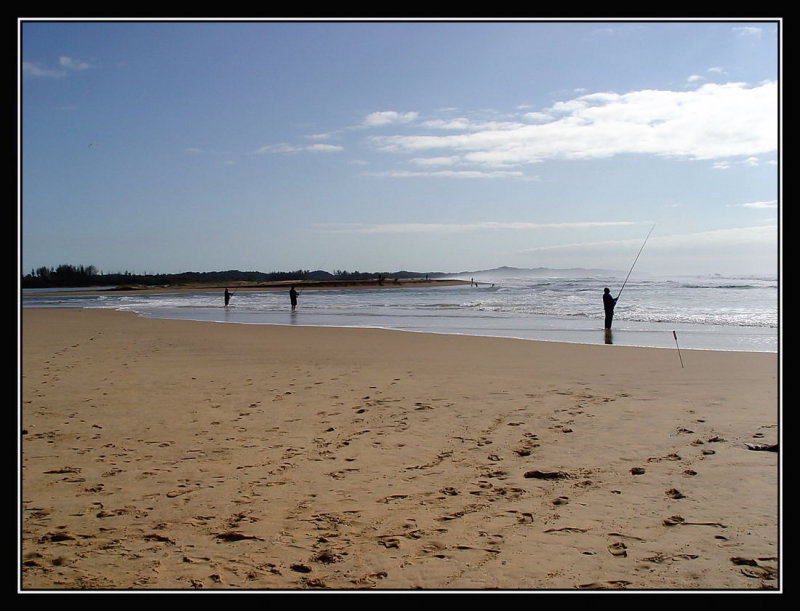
(87, 276)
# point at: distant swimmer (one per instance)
(293, 298)
(608, 305)
(228, 296)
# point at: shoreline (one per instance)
(544, 329)
(513, 311)
(171, 454)
(664, 338)
(252, 286)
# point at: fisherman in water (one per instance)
(228, 296)
(608, 305)
(293, 298)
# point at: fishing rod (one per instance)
(303, 288)
(635, 260)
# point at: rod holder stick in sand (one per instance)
(675, 335)
(635, 260)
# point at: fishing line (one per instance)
(635, 260)
(319, 269)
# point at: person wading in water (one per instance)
(608, 305)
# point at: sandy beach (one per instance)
(179, 455)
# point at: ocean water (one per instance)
(739, 313)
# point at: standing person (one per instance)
(293, 298)
(608, 305)
(228, 296)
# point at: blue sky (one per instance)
(379, 146)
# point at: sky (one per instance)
(431, 146)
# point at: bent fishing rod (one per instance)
(635, 260)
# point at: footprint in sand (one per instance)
(547, 475)
(618, 549)
(619, 584)
(680, 521)
(230, 536)
(754, 569)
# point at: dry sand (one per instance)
(177, 455)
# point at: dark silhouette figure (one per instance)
(228, 296)
(608, 305)
(293, 298)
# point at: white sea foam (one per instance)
(712, 312)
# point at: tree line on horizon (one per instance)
(76, 276)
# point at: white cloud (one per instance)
(457, 123)
(299, 148)
(436, 161)
(462, 123)
(748, 30)
(34, 69)
(388, 117)
(538, 117)
(736, 250)
(684, 245)
(66, 64)
(765, 235)
(324, 148)
(446, 228)
(449, 174)
(71, 63)
(762, 234)
(323, 136)
(712, 122)
(760, 205)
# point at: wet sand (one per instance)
(179, 455)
